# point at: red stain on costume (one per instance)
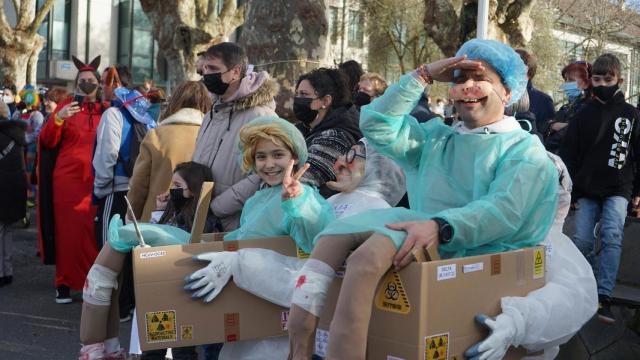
(301, 280)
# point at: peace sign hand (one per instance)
(291, 186)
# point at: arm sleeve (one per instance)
(387, 125)
(139, 183)
(636, 153)
(513, 197)
(305, 216)
(108, 139)
(231, 201)
(551, 315)
(36, 120)
(571, 147)
(51, 133)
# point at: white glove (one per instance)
(503, 331)
(211, 279)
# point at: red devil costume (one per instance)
(65, 211)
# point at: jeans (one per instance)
(212, 351)
(611, 212)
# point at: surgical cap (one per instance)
(504, 60)
(294, 135)
(383, 178)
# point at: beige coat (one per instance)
(217, 145)
(168, 145)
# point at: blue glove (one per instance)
(503, 331)
(123, 238)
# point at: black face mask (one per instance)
(302, 110)
(362, 98)
(87, 87)
(605, 93)
(214, 83)
(177, 198)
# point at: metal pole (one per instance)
(483, 19)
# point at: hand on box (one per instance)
(420, 234)
(495, 346)
(210, 280)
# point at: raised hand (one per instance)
(291, 185)
(442, 70)
(68, 110)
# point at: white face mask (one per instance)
(8, 99)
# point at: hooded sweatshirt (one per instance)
(13, 187)
(602, 150)
(217, 144)
(330, 139)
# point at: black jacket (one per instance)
(541, 105)
(602, 149)
(330, 139)
(13, 186)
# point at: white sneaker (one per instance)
(92, 352)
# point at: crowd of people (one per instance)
(366, 170)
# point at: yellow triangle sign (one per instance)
(391, 295)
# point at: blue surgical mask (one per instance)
(571, 90)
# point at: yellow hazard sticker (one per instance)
(301, 254)
(391, 295)
(436, 347)
(161, 326)
(186, 332)
(538, 263)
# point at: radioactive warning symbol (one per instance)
(301, 254)
(538, 263)
(186, 332)
(436, 347)
(391, 295)
(161, 326)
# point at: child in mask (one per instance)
(99, 323)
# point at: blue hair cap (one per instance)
(296, 137)
(503, 59)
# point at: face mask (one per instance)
(605, 93)
(177, 198)
(87, 87)
(214, 83)
(571, 90)
(362, 98)
(302, 110)
(8, 99)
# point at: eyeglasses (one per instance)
(352, 154)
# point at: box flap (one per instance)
(201, 212)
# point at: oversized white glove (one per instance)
(210, 280)
(495, 346)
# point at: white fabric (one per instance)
(383, 178)
(350, 203)
(134, 340)
(311, 285)
(275, 348)
(506, 124)
(100, 282)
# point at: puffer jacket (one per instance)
(13, 187)
(217, 144)
(164, 147)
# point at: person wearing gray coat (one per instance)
(239, 97)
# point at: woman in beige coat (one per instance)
(171, 143)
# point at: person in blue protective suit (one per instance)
(273, 148)
(480, 187)
(99, 323)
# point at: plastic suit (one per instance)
(551, 315)
(503, 194)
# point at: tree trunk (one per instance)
(185, 28)
(286, 39)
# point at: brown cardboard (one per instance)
(429, 309)
(169, 317)
(202, 209)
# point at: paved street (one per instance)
(34, 327)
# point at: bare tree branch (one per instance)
(41, 14)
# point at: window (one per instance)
(334, 24)
(55, 28)
(356, 27)
(136, 47)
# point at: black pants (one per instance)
(107, 207)
(181, 353)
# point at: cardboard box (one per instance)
(169, 317)
(426, 311)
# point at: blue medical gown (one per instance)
(497, 190)
(302, 217)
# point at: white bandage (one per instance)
(311, 285)
(101, 281)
